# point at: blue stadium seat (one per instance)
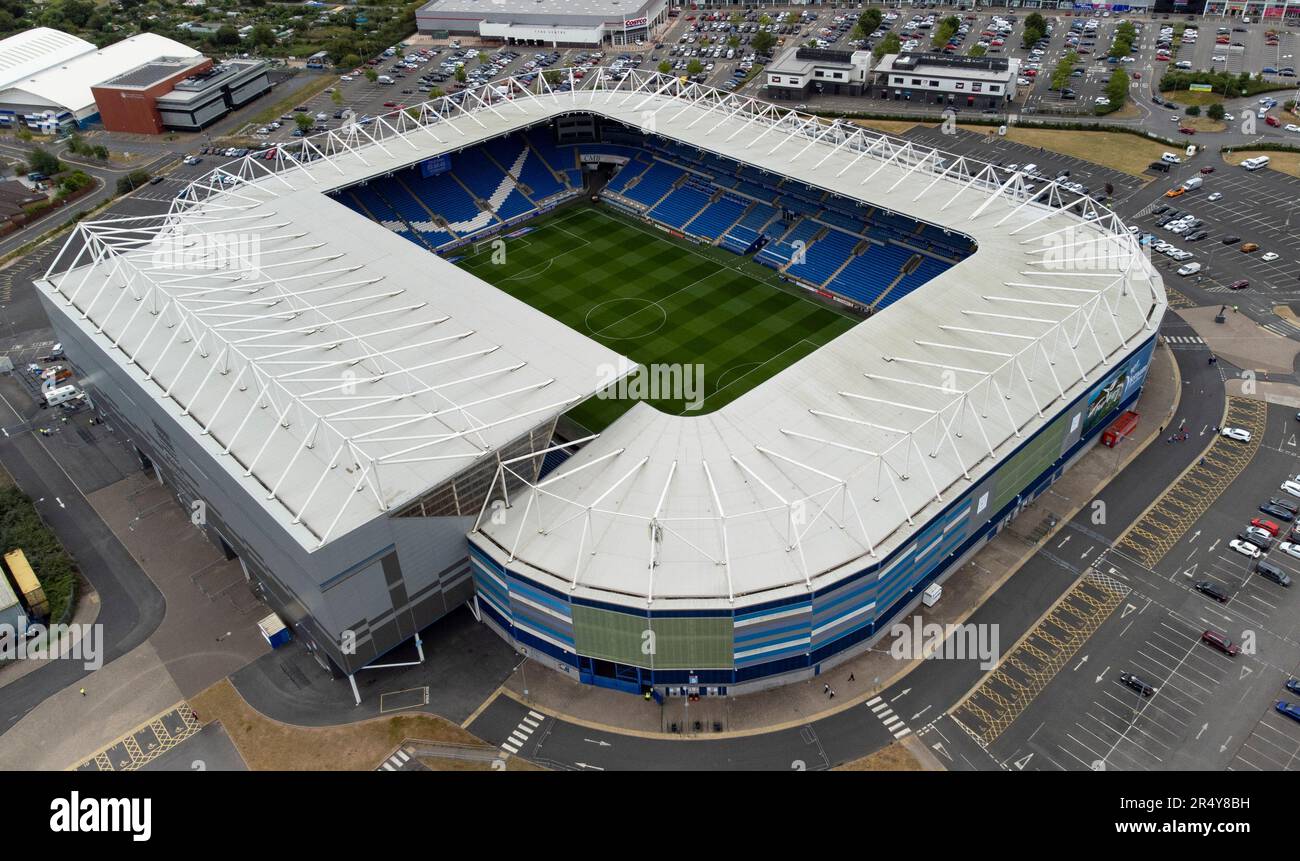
(680, 206)
(777, 254)
(823, 257)
(716, 218)
(654, 183)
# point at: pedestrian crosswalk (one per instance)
(401, 760)
(1184, 341)
(1282, 329)
(893, 723)
(519, 736)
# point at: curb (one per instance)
(910, 665)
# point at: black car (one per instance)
(1230, 240)
(1264, 544)
(1269, 571)
(1196, 236)
(1137, 684)
(1160, 210)
(1277, 511)
(1282, 502)
(1213, 590)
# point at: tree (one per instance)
(43, 161)
(262, 36)
(371, 75)
(74, 181)
(891, 44)
(694, 67)
(977, 51)
(304, 121)
(1193, 110)
(868, 22)
(226, 35)
(1036, 21)
(763, 42)
(350, 61)
(132, 181)
(461, 74)
(1215, 111)
(665, 67)
(733, 41)
(436, 93)
(337, 96)
(792, 18)
(101, 152)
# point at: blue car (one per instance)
(1293, 685)
(1291, 710)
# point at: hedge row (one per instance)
(21, 527)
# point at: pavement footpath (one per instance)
(875, 669)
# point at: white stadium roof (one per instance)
(866, 438)
(63, 80)
(31, 51)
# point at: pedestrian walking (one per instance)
(826, 689)
(83, 692)
(851, 678)
(832, 693)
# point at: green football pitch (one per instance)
(659, 301)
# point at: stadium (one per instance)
(381, 359)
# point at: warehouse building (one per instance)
(46, 76)
(545, 22)
(181, 94)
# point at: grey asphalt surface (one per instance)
(210, 749)
(131, 608)
(927, 692)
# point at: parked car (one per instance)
(1239, 434)
(1248, 247)
(1245, 548)
(1221, 642)
(1272, 573)
(1291, 710)
(1267, 525)
(1277, 511)
(1137, 684)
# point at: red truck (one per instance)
(1121, 428)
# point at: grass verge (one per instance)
(268, 745)
(1282, 162)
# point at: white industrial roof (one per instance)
(866, 437)
(31, 51)
(65, 83)
(612, 10)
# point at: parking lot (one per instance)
(1255, 207)
(1191, 705)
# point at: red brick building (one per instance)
(128, 102)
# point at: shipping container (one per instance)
(29, 587)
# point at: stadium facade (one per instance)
(345, 407)
(545, 22)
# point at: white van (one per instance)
(1193, 184)
(1029, 169)
(1189, 269)
(60, 395)
(1291, 487)
(1170, 158)
(1255, 163)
